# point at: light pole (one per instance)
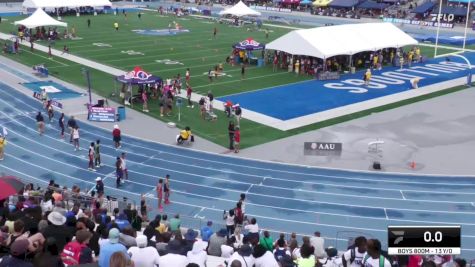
(88, 78)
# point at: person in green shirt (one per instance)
(266, 241)
(175, 223)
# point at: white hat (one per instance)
(56, 218)
(116, 126)
(141, 241)
(98, 179)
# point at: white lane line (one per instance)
(247, 191)
(386, 213)
(236, 191)
(402, 194)
(315, 183)
(191, 205)
(283, 171)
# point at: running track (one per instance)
(282, 197)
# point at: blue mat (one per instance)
(444, 39)
(304, 98)
(62, 91)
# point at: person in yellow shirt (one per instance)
(3, 142)
(184, 135)
(116, 26)
(410, 57)
(367, 76)
(375, 61)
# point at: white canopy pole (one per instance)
(466, 25)
(438, 28)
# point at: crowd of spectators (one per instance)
(58, 227)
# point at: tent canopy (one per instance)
(239, 10)
(138, 76)
(456, 11)
(62, 3)
(318, 3)
(344, 3)
(306, 2)
(249, 44)
(427, 6)
(347, 39)
(40, 18)
(370, 4)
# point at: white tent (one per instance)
(40, 18)
(240, 9)
(62, 3)
(348, 39)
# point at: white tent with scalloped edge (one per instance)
(40, 18)
(347, 39)
(239, 10)
(62, 3)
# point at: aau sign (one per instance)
(322, 149)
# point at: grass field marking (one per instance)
(49, 59)
(238, 80)
(271, 87)
(446, 47)
(158, 47)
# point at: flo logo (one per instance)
(101, 44)
(443, 17)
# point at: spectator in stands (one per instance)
(162, 243)
(127, 237)
(280, 251)
(296, 253)
(17, 256)
(164, 224)
(119, 259)
(266, 241)
(47, 203)
(198, 254)
(122, 221)
(18, 233)
(58, 230)
(244, 256)
(109, 248)
(78, 252)
(173, 257)
(143, 256)
(190, 239)
(206, 231)
(307, 258)
(373, 257)
(354, 256)
(227, 249)
(318, 243)
(175, 223)
(238, 237)
(263, 257)
(253, 231)
(215, 242)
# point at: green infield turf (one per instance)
(166, 56)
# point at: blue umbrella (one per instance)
(306, 2)
(249, 44)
